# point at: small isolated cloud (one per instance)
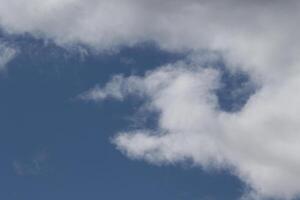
(7, 53)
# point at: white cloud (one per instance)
(260, 142)
(252, 33)
(7, 53)
(259, 36)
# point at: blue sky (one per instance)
(55, 146)
(138, 99)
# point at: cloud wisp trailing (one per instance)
(259, 143)
(35, 165)
(7, 53)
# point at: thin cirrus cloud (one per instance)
(7, 54)
(34, 165)
(258, 143)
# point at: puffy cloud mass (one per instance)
(259, 143)
(258, 36)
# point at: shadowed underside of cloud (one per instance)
(259, 143)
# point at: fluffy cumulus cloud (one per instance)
(259, 143)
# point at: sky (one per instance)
(137, 99)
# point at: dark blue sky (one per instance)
(55, 146)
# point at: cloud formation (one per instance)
(259, 143)
(257, 36)
(262, 29)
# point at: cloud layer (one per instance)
(259, 143)
(257, 36)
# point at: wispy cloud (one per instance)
(7, 53)
(31, 166)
